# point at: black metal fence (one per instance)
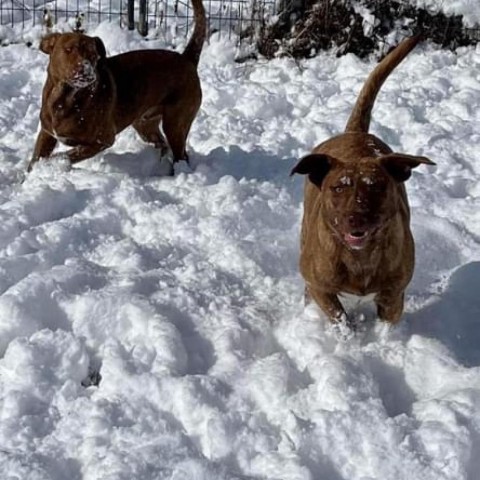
(168, 18)
(288, 22)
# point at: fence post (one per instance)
(130, 15)
(142, 18)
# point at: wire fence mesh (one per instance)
(247, 19)
(168, 18)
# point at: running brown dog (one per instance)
(89, 98)
(356, 235)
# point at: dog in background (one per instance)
(356, 235)
(89, 98)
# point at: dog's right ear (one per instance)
(315, 165)
(48, 42)
(100, 48)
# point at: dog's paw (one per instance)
(166, 166)
(343, 329)
(312, 311)
(60, 162)
(182, 167)
(387, 331)
(19, 177)
(359, 322)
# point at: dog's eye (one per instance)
(338, 189)
(68, 49)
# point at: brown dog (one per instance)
(356, 236)
(88, 98)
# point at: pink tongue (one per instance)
(355, 241)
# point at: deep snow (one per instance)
(184, 293)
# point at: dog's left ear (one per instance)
(399, 165)
(315, 165)
(100, 48)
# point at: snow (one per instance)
(154, 327)
(470, 9)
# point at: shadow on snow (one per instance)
(454, 318)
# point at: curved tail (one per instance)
(194, 46)
(359, 120)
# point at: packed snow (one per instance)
(154, 328)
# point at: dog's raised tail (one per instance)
(195, 44)
(359, 120)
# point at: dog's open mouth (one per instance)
(356, 239)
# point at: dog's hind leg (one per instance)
(149, 131)
(177, 121)
(177, 137)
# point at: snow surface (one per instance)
(470, 9)
(184, 295)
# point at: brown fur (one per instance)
(89, 98)
(356, 236)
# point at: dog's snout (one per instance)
(362, 204)
(356, 221)
(85, 65)
(362, 220)
(362, 198)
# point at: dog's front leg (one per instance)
(329, 303)
(43, 148)
(390, 306)
(82, 152)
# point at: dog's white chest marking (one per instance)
(352, 301)
(355, 304)
(60, 138)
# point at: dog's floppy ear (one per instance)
(48, 42)
(315, 165)
(399, 165)
(100, 48)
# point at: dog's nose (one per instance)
(362, 201)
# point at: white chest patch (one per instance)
(59, 137)
(350, 301)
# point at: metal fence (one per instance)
(169, 18)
